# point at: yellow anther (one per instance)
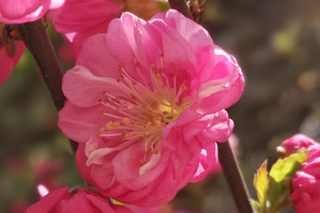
(124, 133)
(146, 151)
(128, 135)
(98, 135)
(134, 82)
(126, 120)
(118, 98)
(158, 76)
(116, 125)
(105, 98)
(152, 65)
(109, 125)
(155, 151)
(112, 101)
(146, 91)
(118, 79)
(131, 95)
(122, 139)
(130, 106)
(117, 109)
(176, 74)
(156, 122)
(101, 112)
(184, 87)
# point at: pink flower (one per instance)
(296, 142)
(22, 11)
(146, 103)
(9, 56)
(80, 201)
(306, 193)
(80, 19)
(306, 183)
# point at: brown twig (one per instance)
(234, 178)
(38, 42)
(181, 6)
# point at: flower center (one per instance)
(147, 110)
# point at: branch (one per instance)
(38, 42)
(181, 6)
(234, 178)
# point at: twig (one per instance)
(234, 178)
(38, 42)
(181, 6)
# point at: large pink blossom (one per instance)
(80, 19)
(22, 11)
(146, 103)
(80, 201)
(9, 56)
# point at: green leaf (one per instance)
(282, 169)
(256, 206)
(260, 182)
(287, 167)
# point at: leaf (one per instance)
(256, 206)
(282, 169)
(287, 167)
(260, 182)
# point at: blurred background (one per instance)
(277, 44)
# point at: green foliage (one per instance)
(256, 206)
(272, 191)
(260, 182)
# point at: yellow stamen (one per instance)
(116, 125)
(126, 120)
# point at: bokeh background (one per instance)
(277, 44)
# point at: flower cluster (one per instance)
(146, 101)
(306, 182)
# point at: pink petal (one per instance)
(208, 160)
(48, 201)
(85, 18)
(7, 62)
(22, 11)
(84, 89)
(127, 166)
(80, 124)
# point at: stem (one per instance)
(181, 6)
(38, 42)
(234, 178)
